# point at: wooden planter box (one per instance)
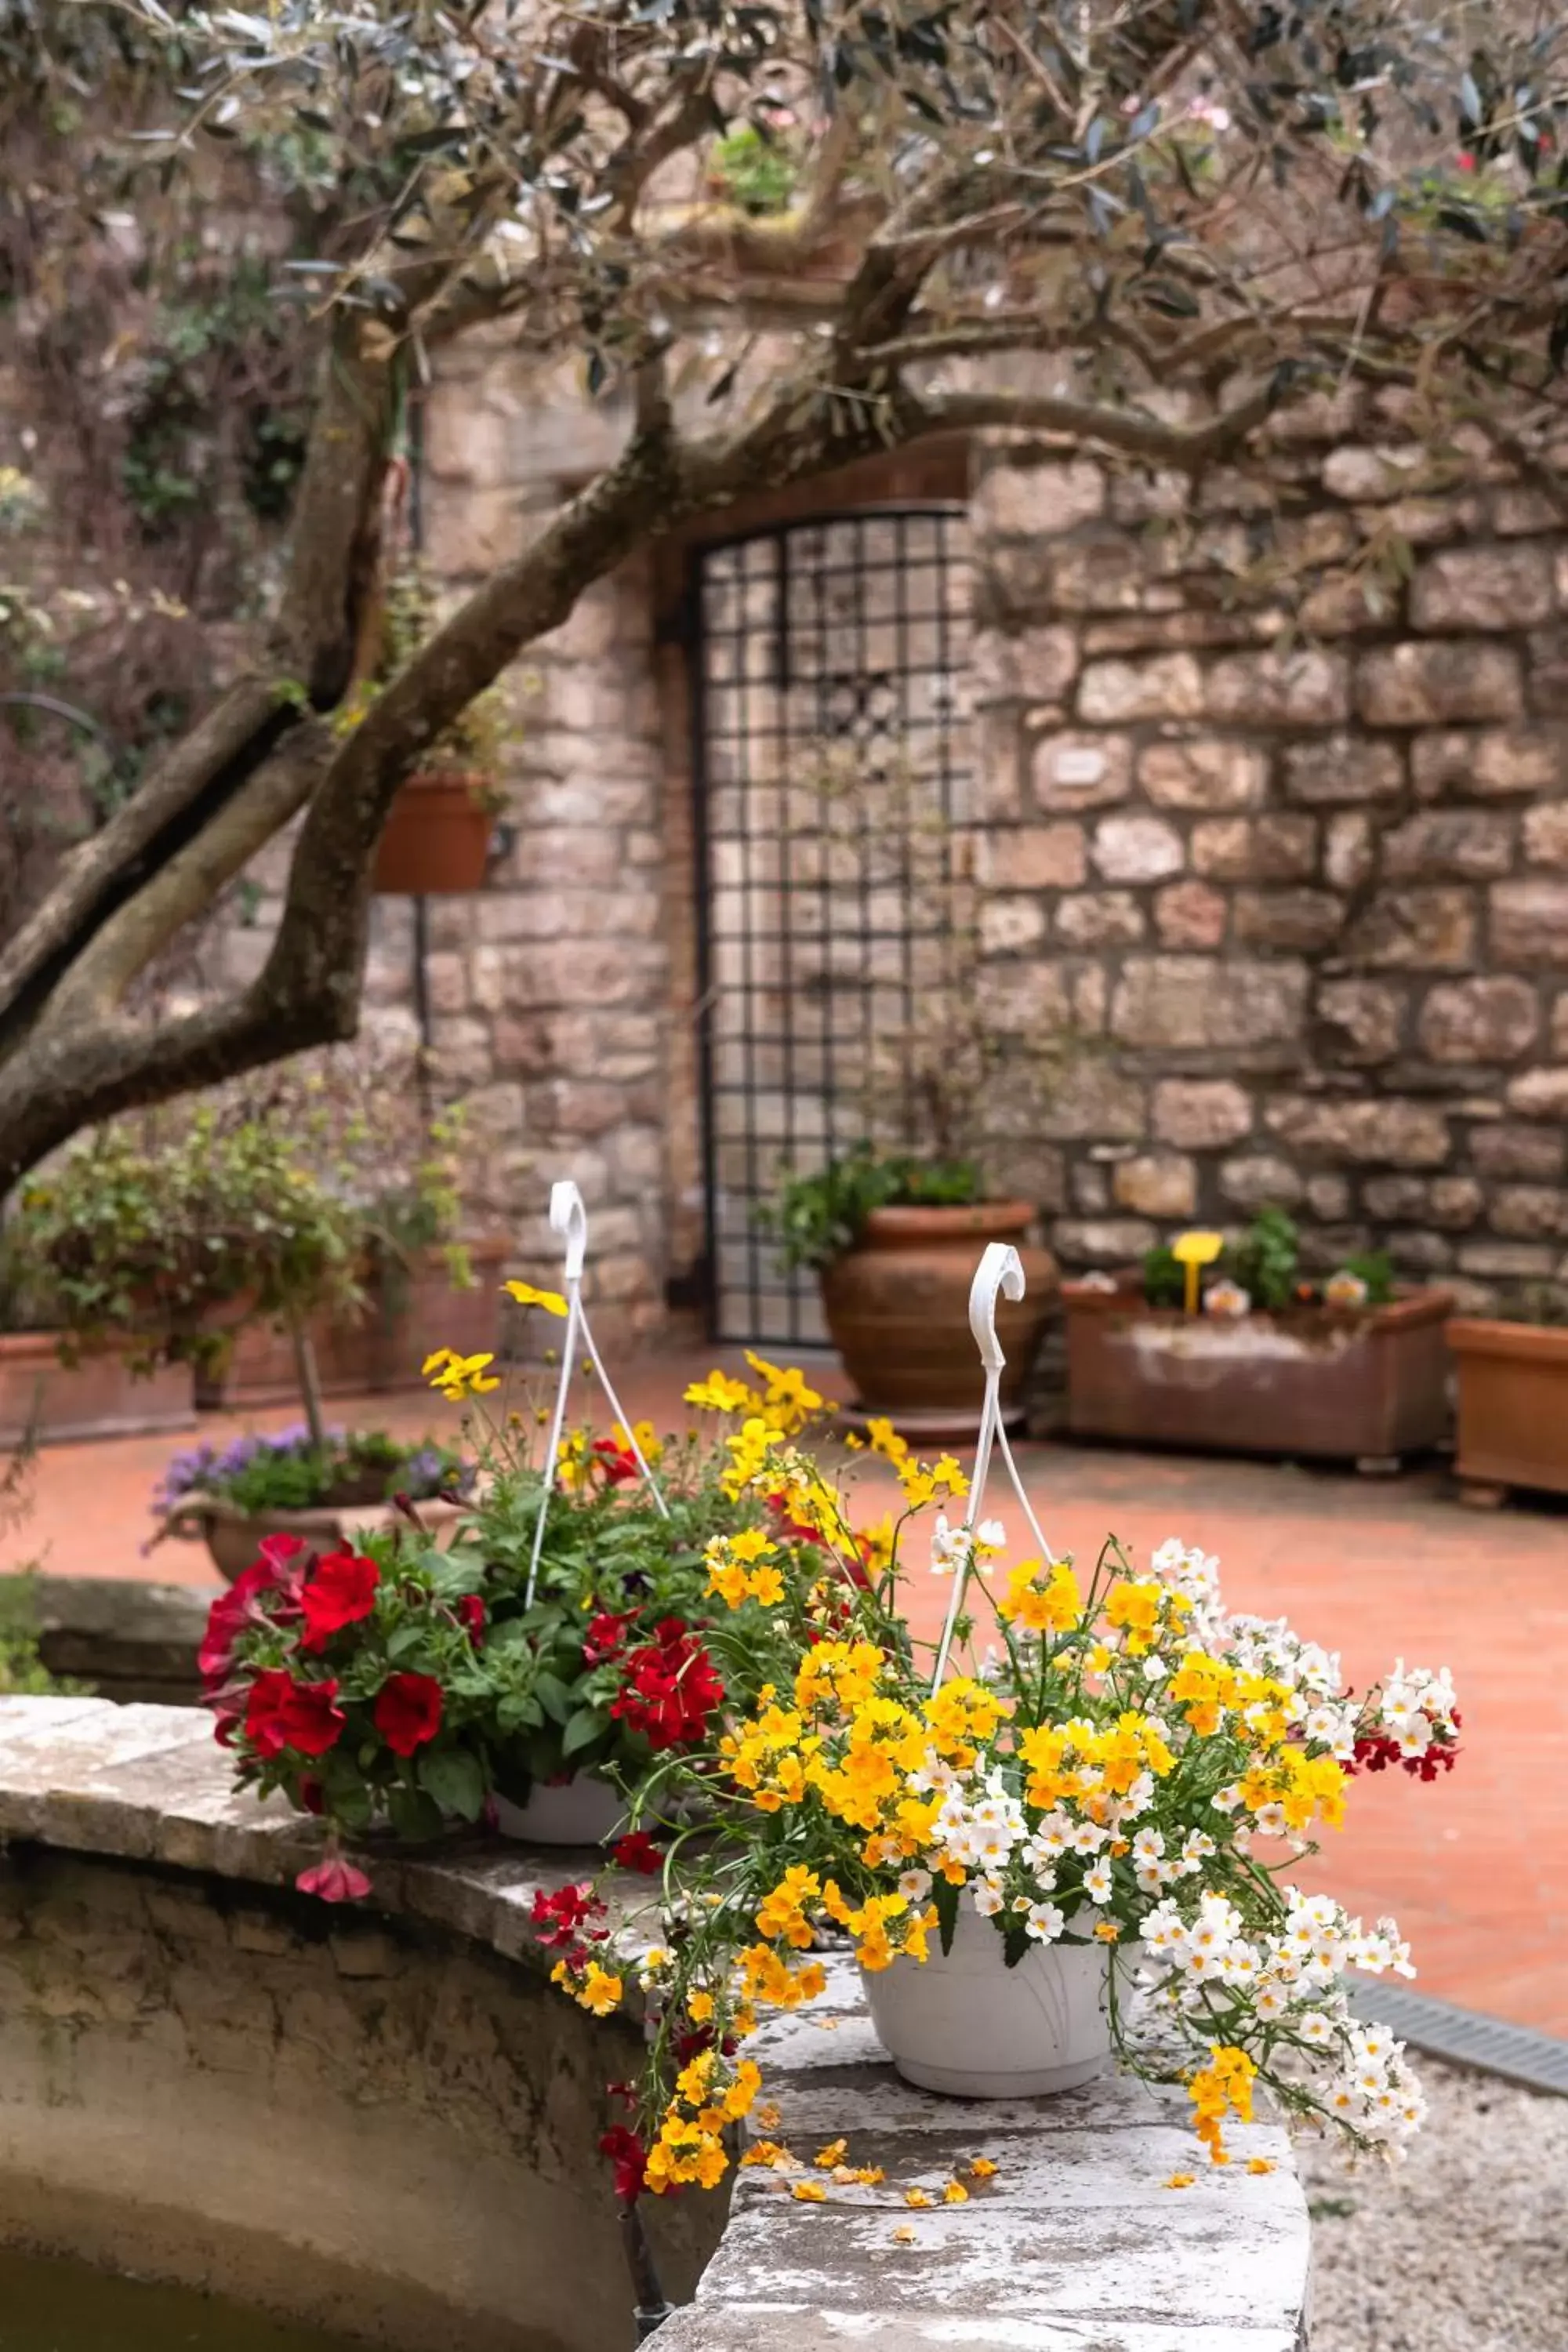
(1369, 1387)
(1513, 1404)
(98, 1396)
(407, 1314)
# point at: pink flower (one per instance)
(334, 1880)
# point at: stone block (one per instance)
(1509, 1261)
(1211, 776)
(1328, 1197)
(1392, 1133)
(1095, 918)
(1545, 834)
(1529, 923)
(1034, 857)
(1201, 1114)
(1302, 919)
(1453, 1202)
(1342, 770)
(1090, 1189)
(1279, 847)
(1106, 572)
(1560, 1024)
(1191, 915)
(1536, 1153)
(1348, 848)
(1430, 683)
(1035, 665)
(1439, 844)
(1539, 1094)
(1074, 772)
(1356, 472)
(1118, 693)
(1549, 672)
(1494, 1020)
(1136, 849)
(1008, 925)
(1217, 1002)
(1529, 1211)
(1303, 687)
(1491, 765)
(1094, 1102)
(1103, 1243)
(1363, 1019)
(1417, 931)
(1260, 1180)
(1156, 1184)
(1038, 501)
(1482, 588)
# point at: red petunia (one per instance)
(473, 1616)
(340, 1592)
(638, 1851)
(559, 1918)
(282, 1713)
(671, 1687)
(227, 1617)
(618, 1462)
(627, 2154)
(334, 1880)
(606, 1636)
(409, 1711)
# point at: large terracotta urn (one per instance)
(896, 1308)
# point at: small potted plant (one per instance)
(1229, 1346)
(551, 1676)
(437, 837)
(893, 1239)
(1512, 1398)
(1109, 1805)
(55, 1384)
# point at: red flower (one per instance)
(1466, 162)
(559, 1918)
(639, 1851)
(341, 1593)
(227, 1617)
(626, 2152)
(286, 1556)
(282, 1713)
(474, 1617)
(788, 1529)
(671, 1688)
(334, 1880)
(1377, 1752)
(618, 1462)
(409, 1711)
(605, 1637)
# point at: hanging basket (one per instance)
(437, 837)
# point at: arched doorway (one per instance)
(832, 760)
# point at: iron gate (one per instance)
(831, 775)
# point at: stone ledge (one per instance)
(1076, 2244)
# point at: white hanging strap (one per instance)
(1000, 1274)
(569, 1218)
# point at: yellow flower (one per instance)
(457, 1377)
(981, 2168)
(770, 2116)
(955, 2193)
(827, 2157)
(903, 2235)
(884, 1439)
(599, 1991)
(644, 1434)
(787, 1403)
(549, 1301)
(1180, 2180)
(1261, 2164)
(1053, 1608)
(917, 2197)
(699, 2006)
(719, 1394)
(768, 2152)
(808, 2192)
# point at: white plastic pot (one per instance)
(965, 2024)
(583, 1811)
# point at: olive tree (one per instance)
(1136, 227)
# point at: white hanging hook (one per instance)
(569, 1218)
(999, 1275)
(569, 1221)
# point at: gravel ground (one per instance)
(1465, 2248)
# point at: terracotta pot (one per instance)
(98, 1396)
(436, 839)
(1327, 1384)
(897, 1309)
(965, 2024)
(232, 1535)
(1513, 1403)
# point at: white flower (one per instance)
(987, 1897)
(1045, 1922)
(1088, 1837)
(1149, 1845)
(1098, 1884)
(914, 1886)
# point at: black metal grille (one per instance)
(831, 693)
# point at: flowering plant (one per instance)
(289, 1471)
(1130, 1766)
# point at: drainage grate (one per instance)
(1539, 2060)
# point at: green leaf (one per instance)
(406, 1638)
(455, 1778)
(1015, 1946)
(554, 1696)
(583, 1728)
(416, 1817)
(944, 1894)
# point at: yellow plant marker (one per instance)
(1193, 1252)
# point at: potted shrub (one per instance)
(1270, 1363)
(540, 1693)
(1512, 1399)
(437, 838)
(1111, 1802)
(893, 1240)
(56, 1387)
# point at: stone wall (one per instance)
(1276, 777)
